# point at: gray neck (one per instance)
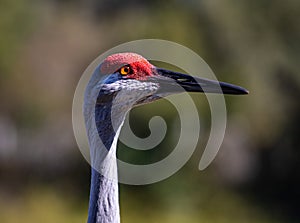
(104, 197)
(104, 200)
(105, 108)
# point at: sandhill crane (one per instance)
(127, 80)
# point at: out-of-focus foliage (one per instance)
(15, 23)
(46, 45)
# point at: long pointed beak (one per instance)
(169, 81)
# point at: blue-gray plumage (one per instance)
(119, 83)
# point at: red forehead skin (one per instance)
(140, 66)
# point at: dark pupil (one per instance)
(126, 69)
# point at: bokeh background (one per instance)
(46, 45)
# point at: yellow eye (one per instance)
(125, 70)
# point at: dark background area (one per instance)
(46, 45)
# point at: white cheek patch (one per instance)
(132, 88)
(131, 91)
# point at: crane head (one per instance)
(136, 77)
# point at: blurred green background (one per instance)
(46, 45)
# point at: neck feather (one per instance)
(104, 112)
(104, 197)
(104, 200)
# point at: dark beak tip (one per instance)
(242, 91)
(245, 91)
(233, 89)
